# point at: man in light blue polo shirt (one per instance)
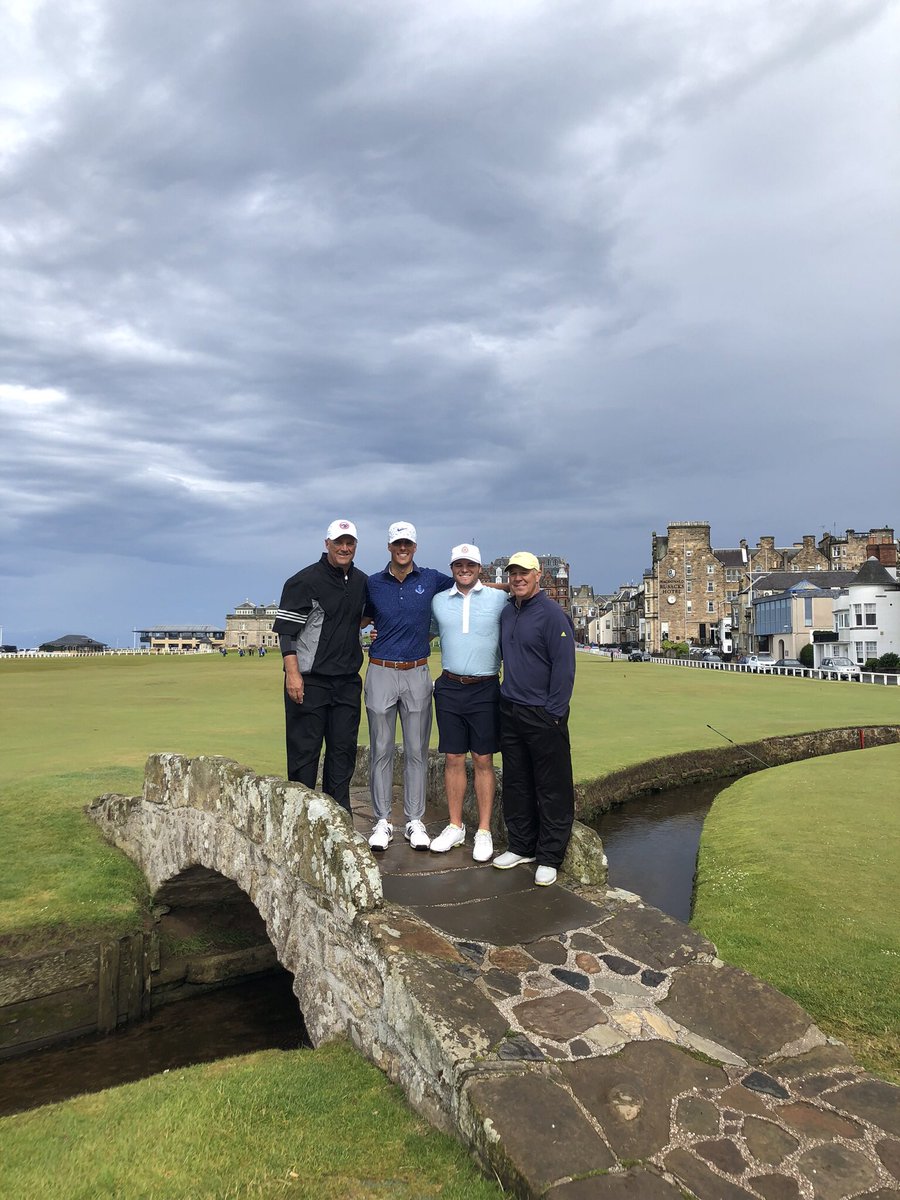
(467, 695)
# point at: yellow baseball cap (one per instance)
(523, 559)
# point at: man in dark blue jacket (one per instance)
(537, 641)
(318, 623)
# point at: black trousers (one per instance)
(538, 792)
(330, 714)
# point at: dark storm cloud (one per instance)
(541, 275)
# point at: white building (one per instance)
(866, 616)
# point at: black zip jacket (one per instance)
(318, 618)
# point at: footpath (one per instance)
(619, 1056)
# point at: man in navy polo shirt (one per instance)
(398, 682)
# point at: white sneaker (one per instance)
(453, 835)
(509, 859)
(484, 846)
(417, 835)
(544, 876)
(382, 835)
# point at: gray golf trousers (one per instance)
(389, 693)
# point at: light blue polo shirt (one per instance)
(469, 628)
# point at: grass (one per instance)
(322, 1124)
(79, 727)
(325, 1123)
(799, 883)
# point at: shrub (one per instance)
(807, 655)
(889, 662)
(678, 648)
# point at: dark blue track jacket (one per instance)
(537, 641)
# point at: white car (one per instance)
(757, 662)
(839, 668)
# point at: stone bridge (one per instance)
(579, 1042)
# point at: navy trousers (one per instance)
(538, 792)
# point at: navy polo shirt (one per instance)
(401, 612)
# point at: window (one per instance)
(870, 614)
(687, 570)
(690, 606)
(710, 606)
(731, 595)
(807, 612)
(871, 649)
(710, 569)
(688, 553)
(859, 651)
(710, 586)
(732, 575)
(857, 614)
(688, 587)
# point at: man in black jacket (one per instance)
(317, 623)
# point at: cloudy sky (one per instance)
(544, 274)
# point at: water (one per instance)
(652, 844)
(258, 1015)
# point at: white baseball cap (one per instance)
(400, 531)
(338, 529)
(472, 553)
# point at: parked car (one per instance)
(757, 662)
(709, 656)
(790, 666)
(839, 668)
(639, 656)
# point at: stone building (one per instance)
(684, 592)
(853, 550)
(250, 626)
(554, 576)
(694, 592)
(583, 610)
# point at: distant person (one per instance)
(537, 641)
(398, 683)
(467, 696)
(318, 622)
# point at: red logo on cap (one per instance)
(465, 549)
(343, 524)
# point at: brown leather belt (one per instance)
(469, 678)
(398, 666)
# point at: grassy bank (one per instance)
(321, 1124)
(74, 728)
(799, 882)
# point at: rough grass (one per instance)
(321, 1124)
(799, 883)
(74, 728)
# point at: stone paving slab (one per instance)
(633, 1184)
(509, 920)
(734, 1009)
(543, 1134)
(455, 886)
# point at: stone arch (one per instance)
(291, 851)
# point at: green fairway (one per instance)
(324, 1125)
(799, 882)
(76, 727)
